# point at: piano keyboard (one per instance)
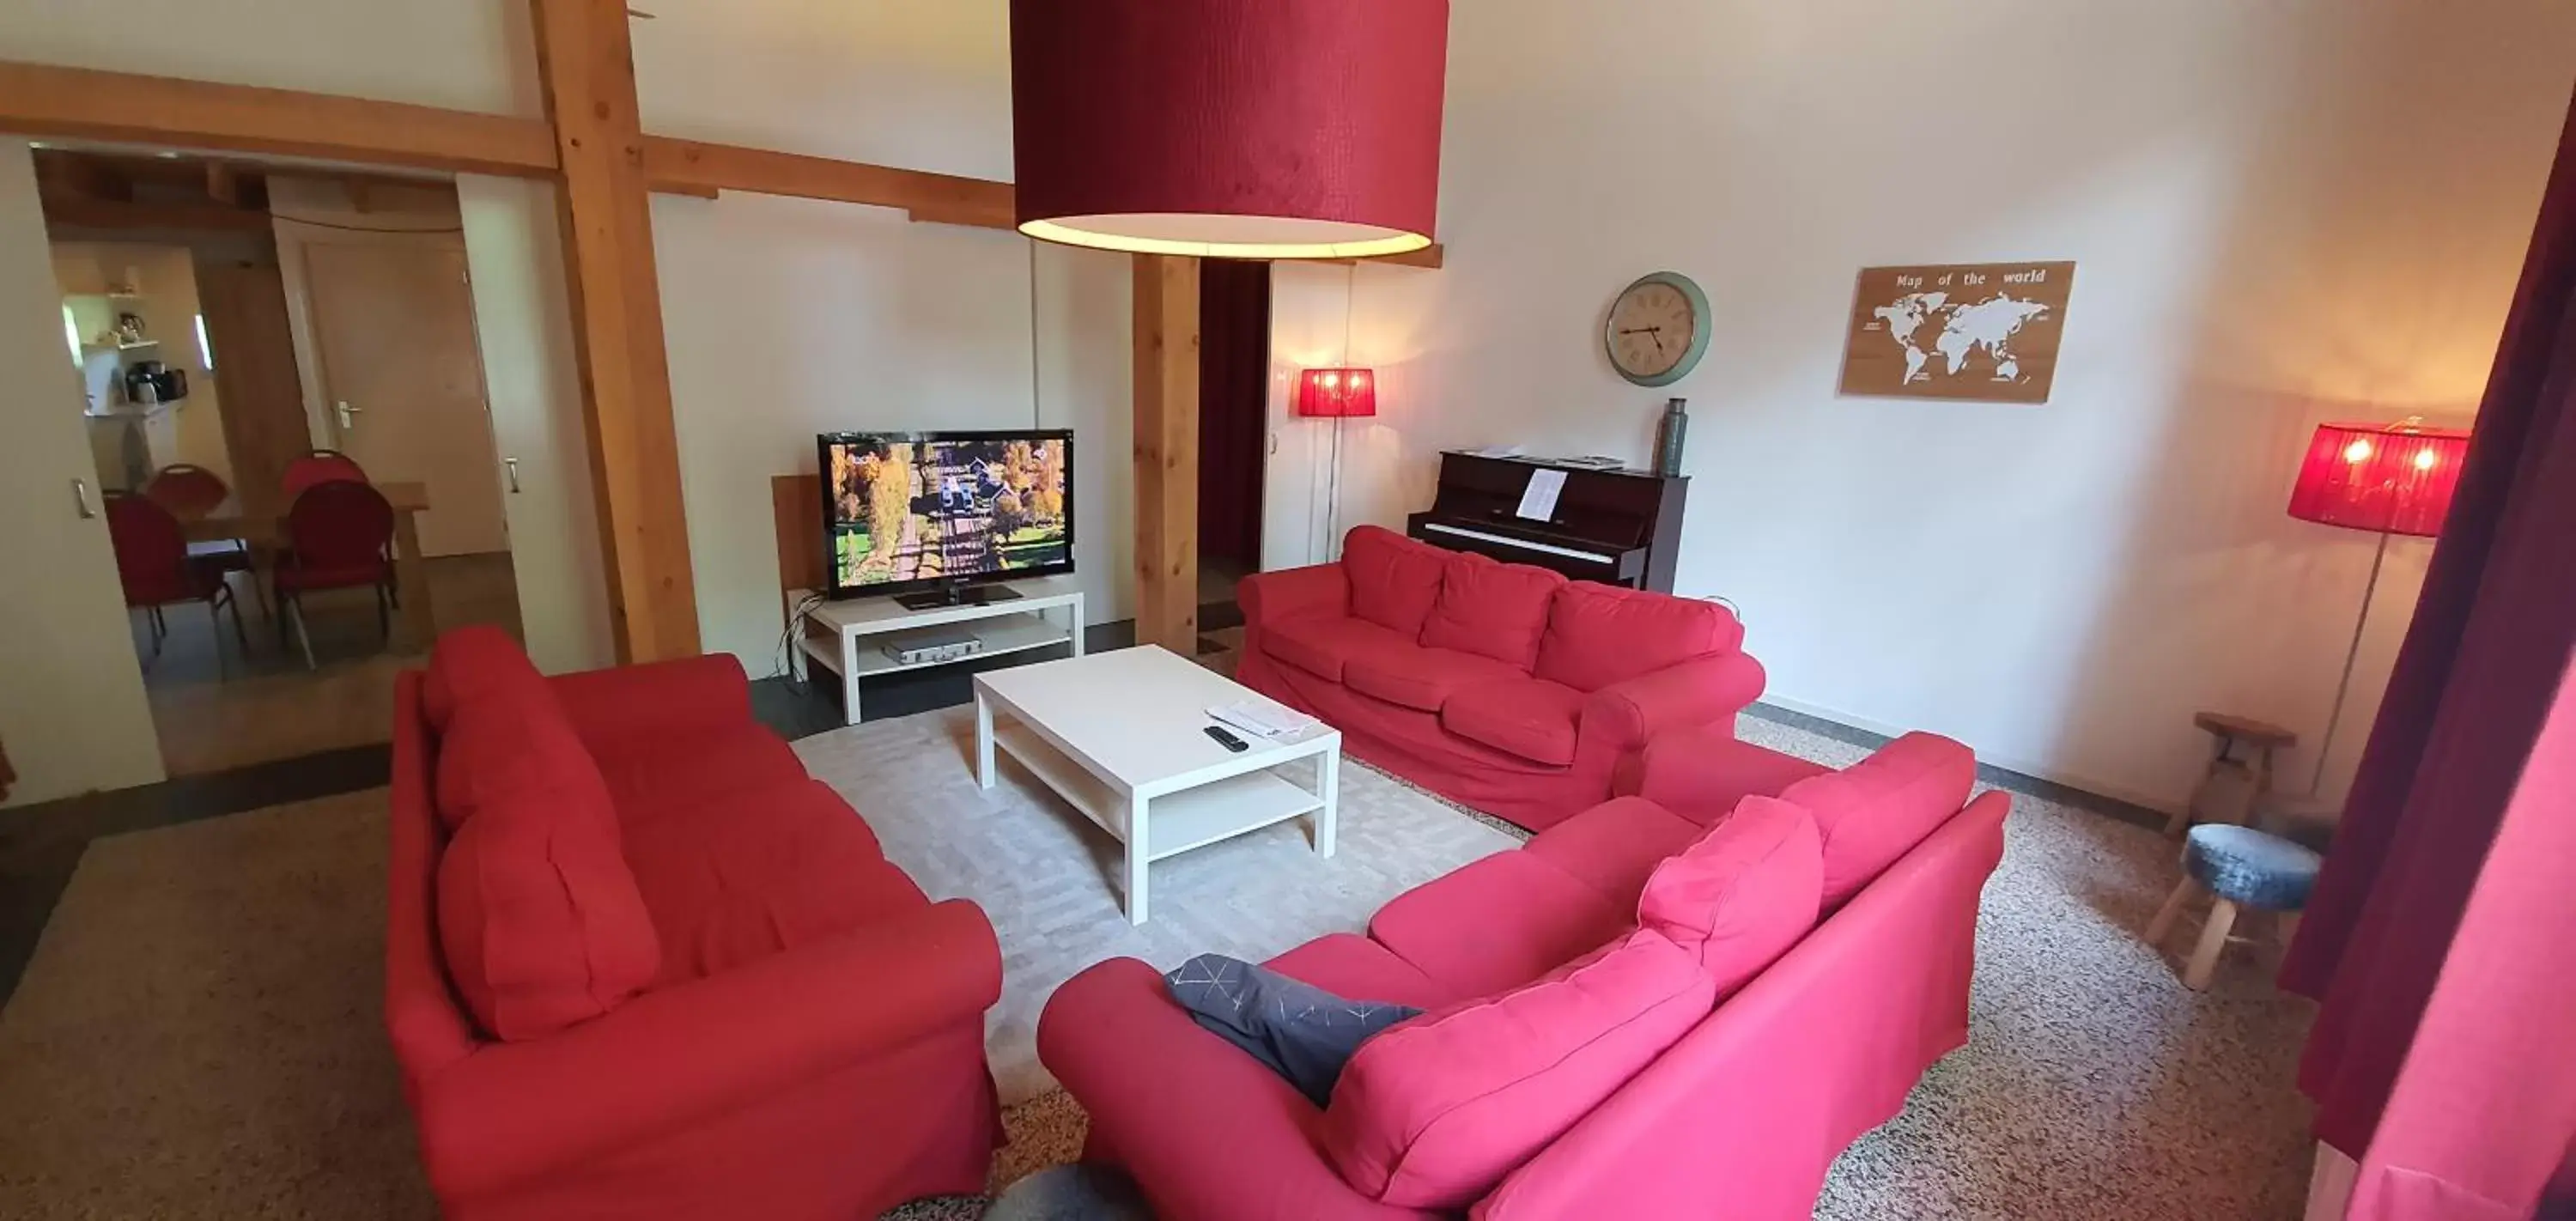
(1522, 544)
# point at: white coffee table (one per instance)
(1121, 736)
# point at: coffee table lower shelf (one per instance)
(1179, 821)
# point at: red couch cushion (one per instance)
(1876, 810)
(1741, 895)
(539, 918)
(1416, 677)
(1394, 580)
(1322, 645)
(1614, 846)
(761, 870)
(1497, 923)
(1530, 717)
(1700, 771)
(1598, 635)
(1492, 609)
(509, 742)
(469, 663)
(1356, 968)
(1434, 1112)
(656, 774)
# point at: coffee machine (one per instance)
(150, 381)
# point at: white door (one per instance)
(402, 381)
(523, 318)
(72, 711)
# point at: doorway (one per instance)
(273, 327)
(1234, 430)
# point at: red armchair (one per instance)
(809, 1043)
(1502, 686)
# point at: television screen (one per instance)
(911, 511)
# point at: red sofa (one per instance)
(1503, 686)
(639, 965)
(1740, 1118)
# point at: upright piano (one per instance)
(1618, 527)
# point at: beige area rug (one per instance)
(1048, 878)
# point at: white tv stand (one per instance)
(831, 634)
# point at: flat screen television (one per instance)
(937, 517)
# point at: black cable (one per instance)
(788, 635)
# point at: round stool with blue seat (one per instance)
(2241, 867)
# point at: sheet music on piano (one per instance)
(1538, 501)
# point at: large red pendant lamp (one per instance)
(1249, 129)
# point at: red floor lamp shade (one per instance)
(2387, 479)
(1337, 392)
(2383, 478)
(1252, 129)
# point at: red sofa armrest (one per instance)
(514, 1110)
(1294, 593)
(1203, 1128)
(1700, 772)
(1626, 716)
(656, 697)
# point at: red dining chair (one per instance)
(152, 564)
(190, 491)
(187, 490)
(322, 466)
(337, 533)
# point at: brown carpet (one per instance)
(200, 1033)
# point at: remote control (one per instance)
(1227, 740)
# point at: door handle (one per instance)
(346, 412)
(512, 464)
(81, 501)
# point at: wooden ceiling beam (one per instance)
(586, 66)
(690, 167)
(41, 100)
(1429, 256)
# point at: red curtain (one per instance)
(2406, 920)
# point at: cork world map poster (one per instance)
(1985, 331)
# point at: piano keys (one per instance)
(1618, 527)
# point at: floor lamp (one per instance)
(2385, 479)
(1336, 394)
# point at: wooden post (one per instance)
(588, 71)
(1167, 452)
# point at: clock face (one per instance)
(1658, 329)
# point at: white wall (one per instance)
(791, 317)
(2281, 214)
(72, 711)
(461, 54)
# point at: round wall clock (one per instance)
(1658, 329)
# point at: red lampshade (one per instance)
(1255, 129)
(1337, 392)
(2384, 478)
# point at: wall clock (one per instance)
(1657, 330)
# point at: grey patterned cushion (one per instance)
(2251, 867)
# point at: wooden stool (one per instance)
(2242, 867)
(2232, 786)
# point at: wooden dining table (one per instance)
(415, 624)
